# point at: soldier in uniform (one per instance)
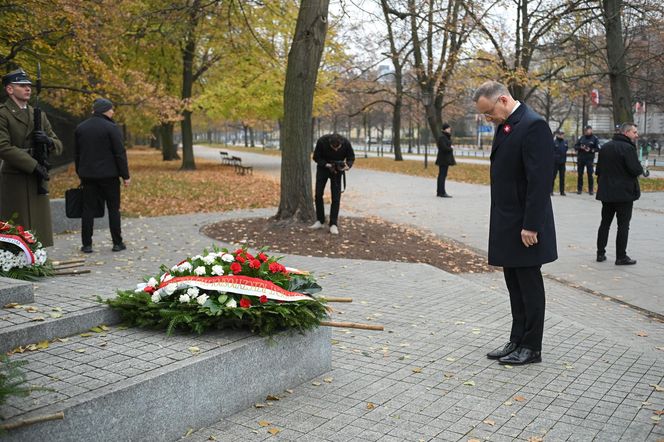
(20, 172)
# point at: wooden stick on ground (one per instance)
(32, 420)
(334, 299)
(70, 272)
(70, 261)
(352, 325)
(68, 265)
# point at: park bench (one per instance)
(244, 170)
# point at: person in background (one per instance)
(559, 159)
(101, 160)
(618, 169)
(444, 160)
(585, 148)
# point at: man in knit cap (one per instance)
(101, 160)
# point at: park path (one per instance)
(464, 218)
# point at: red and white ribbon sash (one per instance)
(20, 243)
(242, 285)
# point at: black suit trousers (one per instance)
(106, 189)
(584, 163)
(526, 289)
(442, 176)
(623, 212)
(559, 170)
(322, 175)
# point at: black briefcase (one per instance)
(74, 204)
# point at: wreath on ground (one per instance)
(22, 256)
(224, 289)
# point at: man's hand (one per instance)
(329, 165)
(528, 237)
(126, 182)
(41, 172)
(40, 137)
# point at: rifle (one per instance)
(40, 150)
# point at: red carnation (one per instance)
(255, 264)
(236, 268)
(249, 256)
(245, 303)
(4, 226)
(29, 237)
(263, 299)
(262, 257)
(275, 267)
(239, 251)
(20, 229)
(240, 259)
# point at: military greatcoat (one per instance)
(18, 185)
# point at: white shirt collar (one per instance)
(518, 103)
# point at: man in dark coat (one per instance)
(559, 159)
(618, 168)
(585, 148)
(333, 156)
(444, 160)
(21, 174)
(522, 234)
(101, 160)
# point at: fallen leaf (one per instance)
(55, 315)
(61, 339)
(31, 309)
(489, 422)
(271, 397)
(519, 398)
(507, 366)
(535, 439)
(448, 375)
(194, 350)
(328, 380)
(80, 350)
(659, 412)
(104, 327)
(12, 305)
(417, 370)
(212, 438)
(263, 423)
(657, 387)
(469, 383)
(85, 335)
(274, 431)
(508, 403)
(659, 348)
(370, 405)
(42, 345)
(656, 418)
(642, 333)
(37, 319)
(259, 405)
(474, 440)
(450, 359)
(96, 329)
(189, 432)
(315, 384)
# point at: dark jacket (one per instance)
(591, 142)
(18, 185)
(559, 150)
(323, 153)
(98, 149)
(445, 155)
(618, 167)
(521, 175)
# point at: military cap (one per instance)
(16, 77)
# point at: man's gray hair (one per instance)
(490, 89)
(626, 127)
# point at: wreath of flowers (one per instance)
(22, 256)
(224, 289)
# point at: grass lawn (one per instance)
(159, 188)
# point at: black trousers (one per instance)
(442, 176)
(322, 175)
(622, 211)
(559, 170)
(526, 289)
(585, 163)
(108, 190)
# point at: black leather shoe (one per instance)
(521, 356)
(86, 249)
(578, 192)
(446, 195)
(563, 194)
(601, 257)
(626, 261)
(502, 351)
(591, 193)
(118, 247)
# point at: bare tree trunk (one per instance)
(301, 72)
(621, 95)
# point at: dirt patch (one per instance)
(359, 238)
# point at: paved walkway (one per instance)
(411, 200)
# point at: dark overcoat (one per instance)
(521, 175)
(445, 155)
(18, 186)
(98, 149)
(618, 168)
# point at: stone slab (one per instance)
(63, 224)
(173, 389)
(14, 290)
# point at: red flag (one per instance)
(594, 97)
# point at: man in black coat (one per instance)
(618, 168)
(585, 147)
(101, 160)
(333, 156)
(444, 160)
(522, 234)
(559, 159)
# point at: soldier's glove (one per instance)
(40, 137)
(41, 172)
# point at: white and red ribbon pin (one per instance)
(507, 129)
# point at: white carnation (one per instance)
(227, 257)
(231, 303)
(166, 277)
(200, 270)
(155, 297)
(170, 289)
(210, 259)
(201, 299)
(184, 298)
(185, 267)
(217, 270)
(193, 291)
(152, 282)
